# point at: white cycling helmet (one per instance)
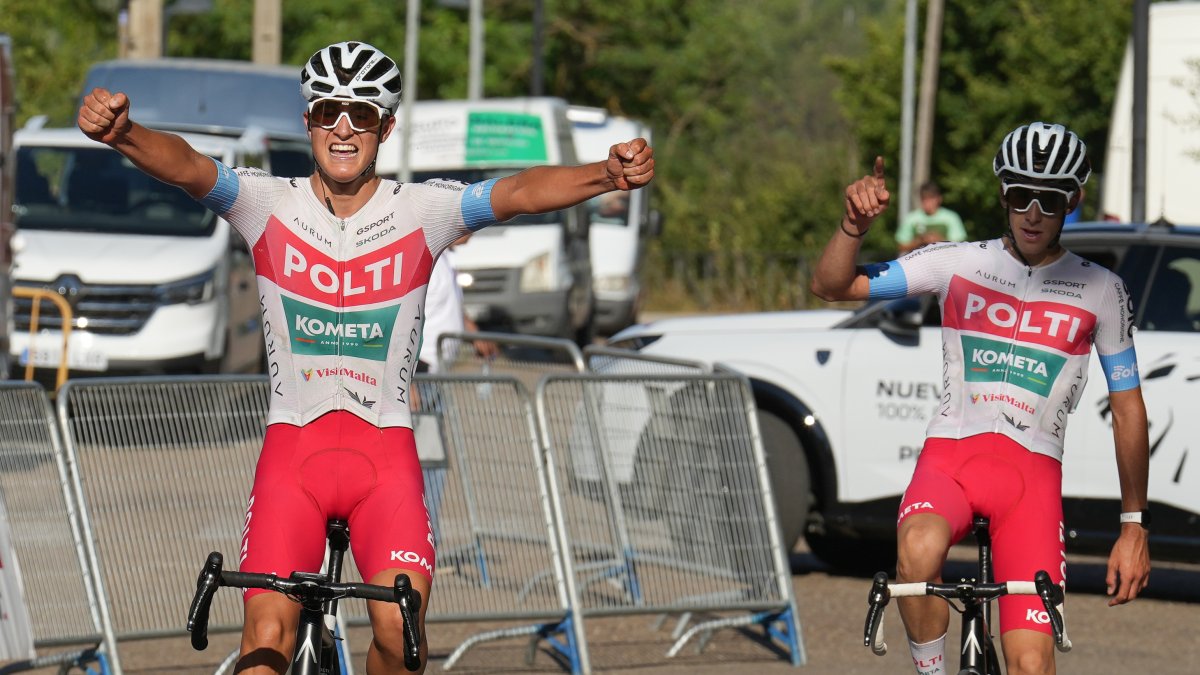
(353, 70)
(1044, 153)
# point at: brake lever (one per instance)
(409, 602)
(1052, 598)
(206, 586)
(877, 601)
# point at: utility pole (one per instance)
(266, 48)
(928, 94)
(1141, 70)
(475, 72)
(412, 26)
(536, 79)
(143, 35)
(907, 99)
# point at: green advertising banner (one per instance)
(992, 361)
(505, 137)
(320, 332)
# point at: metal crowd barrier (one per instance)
(492, 510)
(667, 503)
(613, 361)
(163, 468)
(37, 499)
(602, 495)
(525, 357)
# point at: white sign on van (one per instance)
(479, 138)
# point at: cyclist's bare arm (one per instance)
(1129, 562)
(104, 117)
(549, 188)
(836, 276)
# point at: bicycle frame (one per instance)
(317, 650)
(977, 654)
(318, 595)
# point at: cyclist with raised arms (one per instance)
(343, 259)
(1015, 351)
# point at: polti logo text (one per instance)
(976, 308)
(385, 274)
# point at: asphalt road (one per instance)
(1154, 634)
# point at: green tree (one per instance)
(53, 45)
(1002, 64)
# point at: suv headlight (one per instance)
(537, 275)
(191, 291)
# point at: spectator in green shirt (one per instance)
(929, 224)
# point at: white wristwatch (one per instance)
(1140, 517)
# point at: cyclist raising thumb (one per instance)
(104, 116)
(835, 276)
(866, 199)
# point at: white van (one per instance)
(1172, 121)
(531, 274)
(621, 221)
(156, 282)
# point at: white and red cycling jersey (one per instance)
(1015, 347)
(1016, 340)
(343, 305)
(343, 299)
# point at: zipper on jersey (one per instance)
(1026, 284)
(341, 306)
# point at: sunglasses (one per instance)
(362, 115)
(1050, 201)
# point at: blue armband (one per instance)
(1121, 370)
(224, 193)
(477, 205)
(887, 280)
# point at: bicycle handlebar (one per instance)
(882, 592)
(304, 588)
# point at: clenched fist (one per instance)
(104, 116)
(630, 165)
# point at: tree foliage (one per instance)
(761, 112)
(1003, 64)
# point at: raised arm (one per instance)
(104, 117)
(1129, 562)
(837, 277)
(549, 188)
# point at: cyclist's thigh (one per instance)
(1028, 538)
(390, 527)
(284, 530)
(934, 490)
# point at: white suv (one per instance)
(843, 404)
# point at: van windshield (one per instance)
(99, 190)
(610, 208)
(476, 175)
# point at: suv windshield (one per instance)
(476, 175)
(99, 190)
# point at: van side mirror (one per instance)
(902, 319)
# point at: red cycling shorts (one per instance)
(1019, 491)
(337, 466)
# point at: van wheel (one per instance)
(790, 479)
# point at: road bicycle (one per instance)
(977, 653)
(317, 650)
